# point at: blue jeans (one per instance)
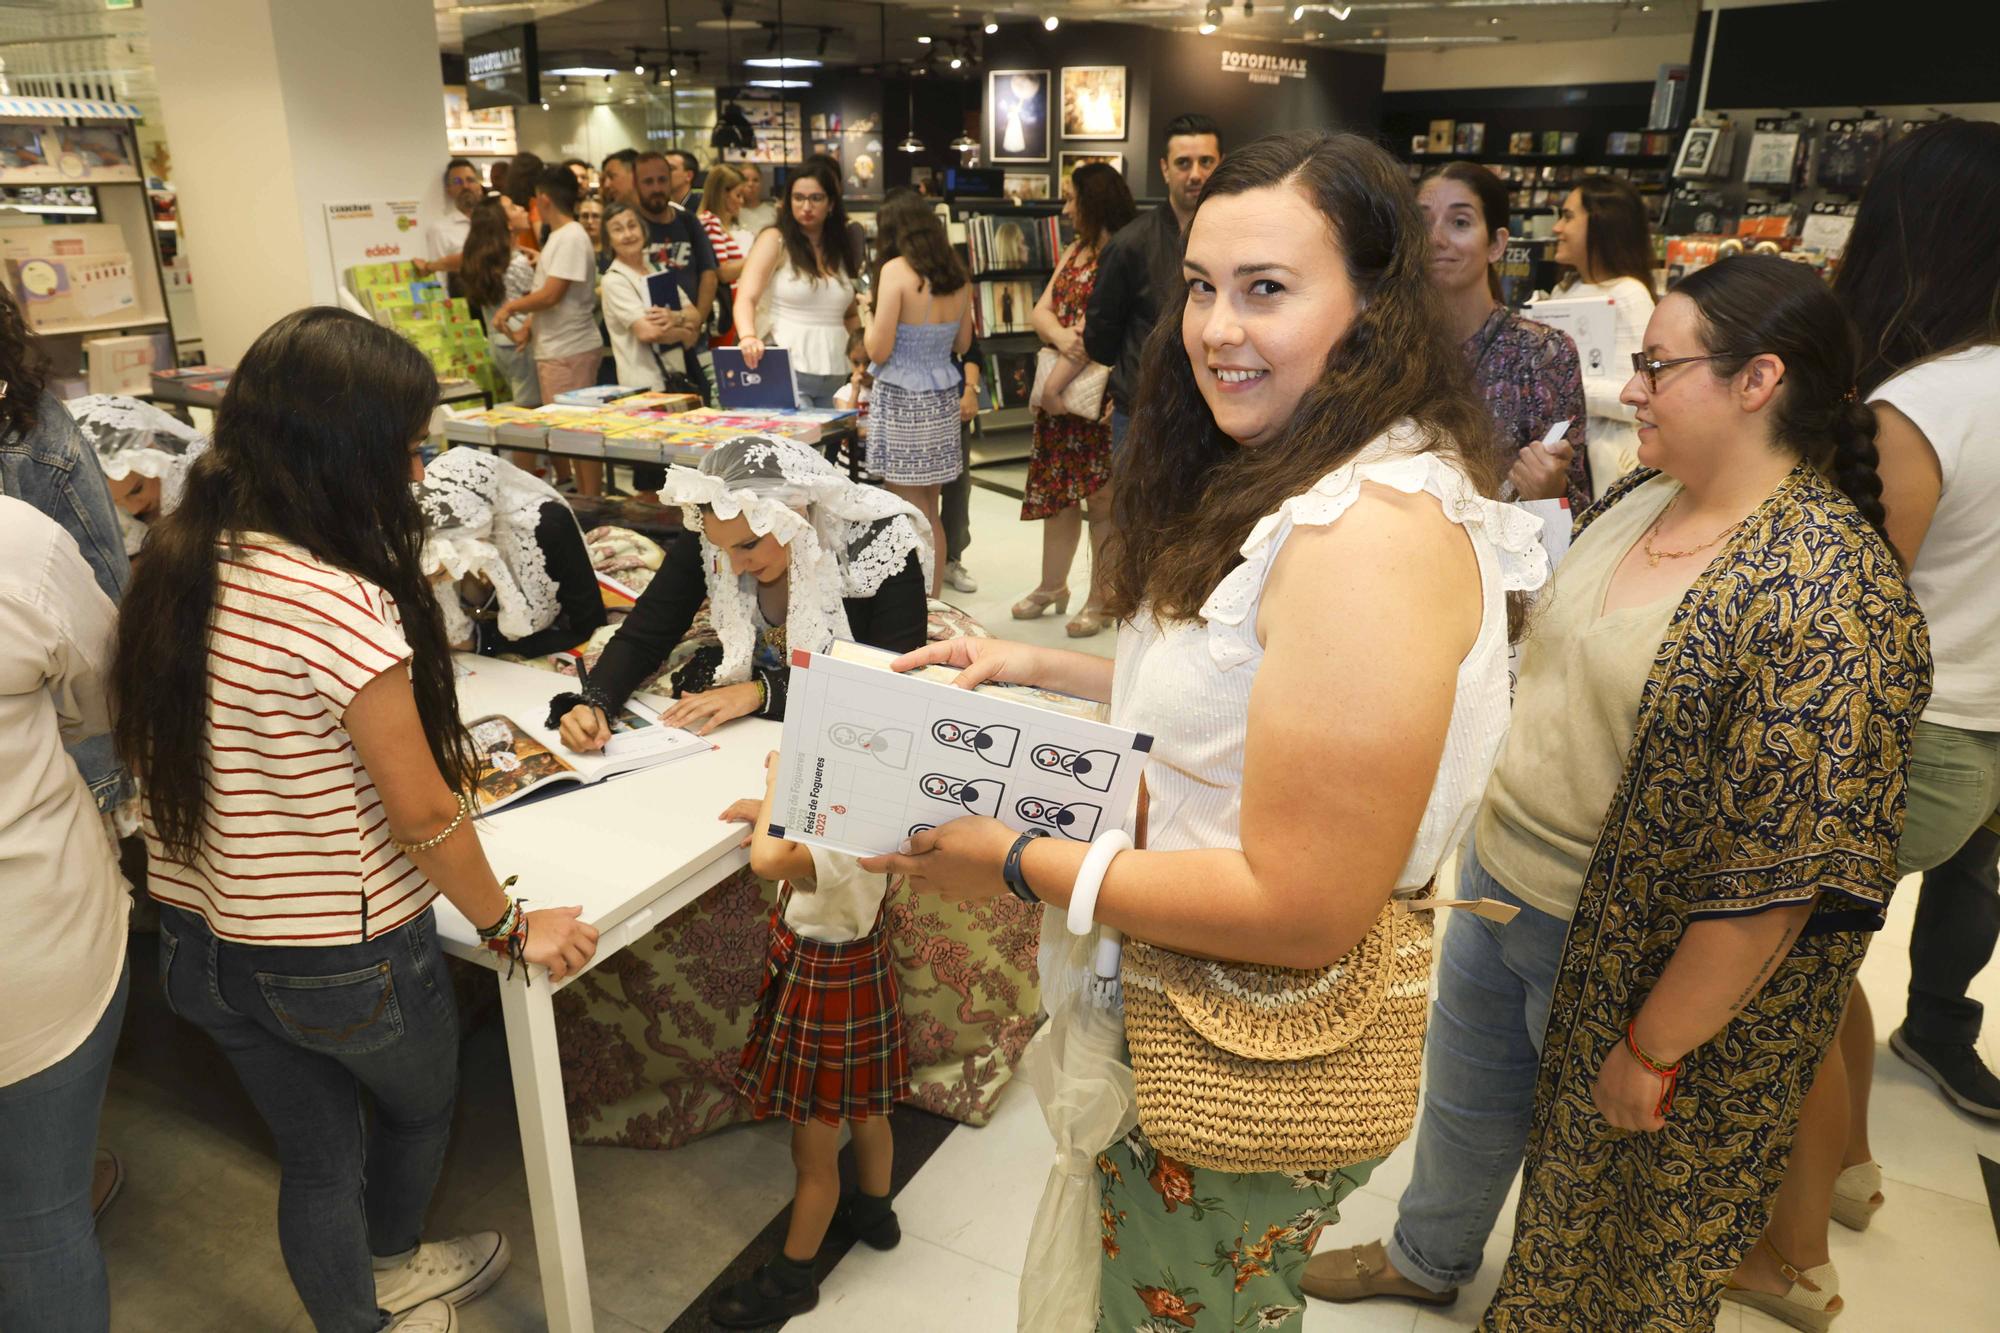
(1121, 426)
(818, 390)
(1480, 1060)
(51, 1271)
(310, 1031)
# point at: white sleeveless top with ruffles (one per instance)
(1188, 685)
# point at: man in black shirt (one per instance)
(1141, 265)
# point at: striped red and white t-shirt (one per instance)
(295, 846)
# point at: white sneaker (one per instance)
(449, 1271)
(959, 577)
(430, 1317)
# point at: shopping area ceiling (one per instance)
(621, 34)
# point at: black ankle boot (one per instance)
(869, 1219)
(777, 1290)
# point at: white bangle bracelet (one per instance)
(1090, 879)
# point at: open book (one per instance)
(870, 757)
(515, 763)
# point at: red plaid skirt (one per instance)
(826, 1042)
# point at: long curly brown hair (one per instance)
(1190, 494)
(24, 365)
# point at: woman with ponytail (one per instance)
(1921, 279)
(284, 692)
(1722, 831)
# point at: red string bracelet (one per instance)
(1669, 1075)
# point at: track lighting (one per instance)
(923, 41)
(991, 28)
(1051, 23)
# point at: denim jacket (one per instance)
(51, 468)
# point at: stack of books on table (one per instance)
(641, 428)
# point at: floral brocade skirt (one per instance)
(1186, 1248)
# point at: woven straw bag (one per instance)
(1242, 1067)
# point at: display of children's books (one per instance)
(871, 757)
(516, 762)
(1469, 137)
(1521, 143)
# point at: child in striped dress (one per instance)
(826, 1045)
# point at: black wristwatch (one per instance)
(1017, 883)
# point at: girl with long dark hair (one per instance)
(808, 268)
(494, 270)
(1527, 372)
(913, 416)
(1603, 238)
(285, 693)
(1718, 821)
(1313, 579)
(1069, 468)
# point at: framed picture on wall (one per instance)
(1093, 102)
(1068, 162)
(1017, 115)
(1025, 185)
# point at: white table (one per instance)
(631, 851)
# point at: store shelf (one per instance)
(1004, 273)
(107, 326)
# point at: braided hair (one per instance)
(1763, 305)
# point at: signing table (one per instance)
(631, 851)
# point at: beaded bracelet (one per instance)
(1669, 1075)
(464, 809)
(508, 936)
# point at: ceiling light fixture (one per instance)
(1249, 9)
(923, 41)
(582, 72)
(1339, 12)
(545, 106)
(639, 67)
(991, 28)
(1051, 23)
(958, 62)
(781, 83)
(784, 62)
(1211, 19)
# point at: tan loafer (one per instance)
(1362, 1273)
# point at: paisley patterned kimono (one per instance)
(1767, 769)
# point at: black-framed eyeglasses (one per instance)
(1648, 367)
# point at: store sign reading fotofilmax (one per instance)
(502, 69)
(1261, 68)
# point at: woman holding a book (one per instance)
(808, 269)
(1602, 236)
(788, 553)
(1528, 373)
(1309, 464)
(1069, 470)
(307, 799)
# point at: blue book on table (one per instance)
(770, 385)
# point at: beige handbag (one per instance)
(1082, 397)
(1242, 1067)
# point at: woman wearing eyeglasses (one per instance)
(808, 268)
(1705, 772)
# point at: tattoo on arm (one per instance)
(1770, 965)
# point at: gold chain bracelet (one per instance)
(464, 809)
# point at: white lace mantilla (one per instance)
(845, 540)
(132, 438)
(481, 513)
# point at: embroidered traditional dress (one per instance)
(1767, 768)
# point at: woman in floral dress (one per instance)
(1071, 462)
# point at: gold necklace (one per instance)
(1653, 557)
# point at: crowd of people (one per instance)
(1755, 691)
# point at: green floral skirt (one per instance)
(1189, 1248)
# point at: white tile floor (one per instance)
(1929, 1263)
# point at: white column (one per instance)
(273, 109)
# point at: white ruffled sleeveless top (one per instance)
(1188, 685)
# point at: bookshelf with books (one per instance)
(1011, 250)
